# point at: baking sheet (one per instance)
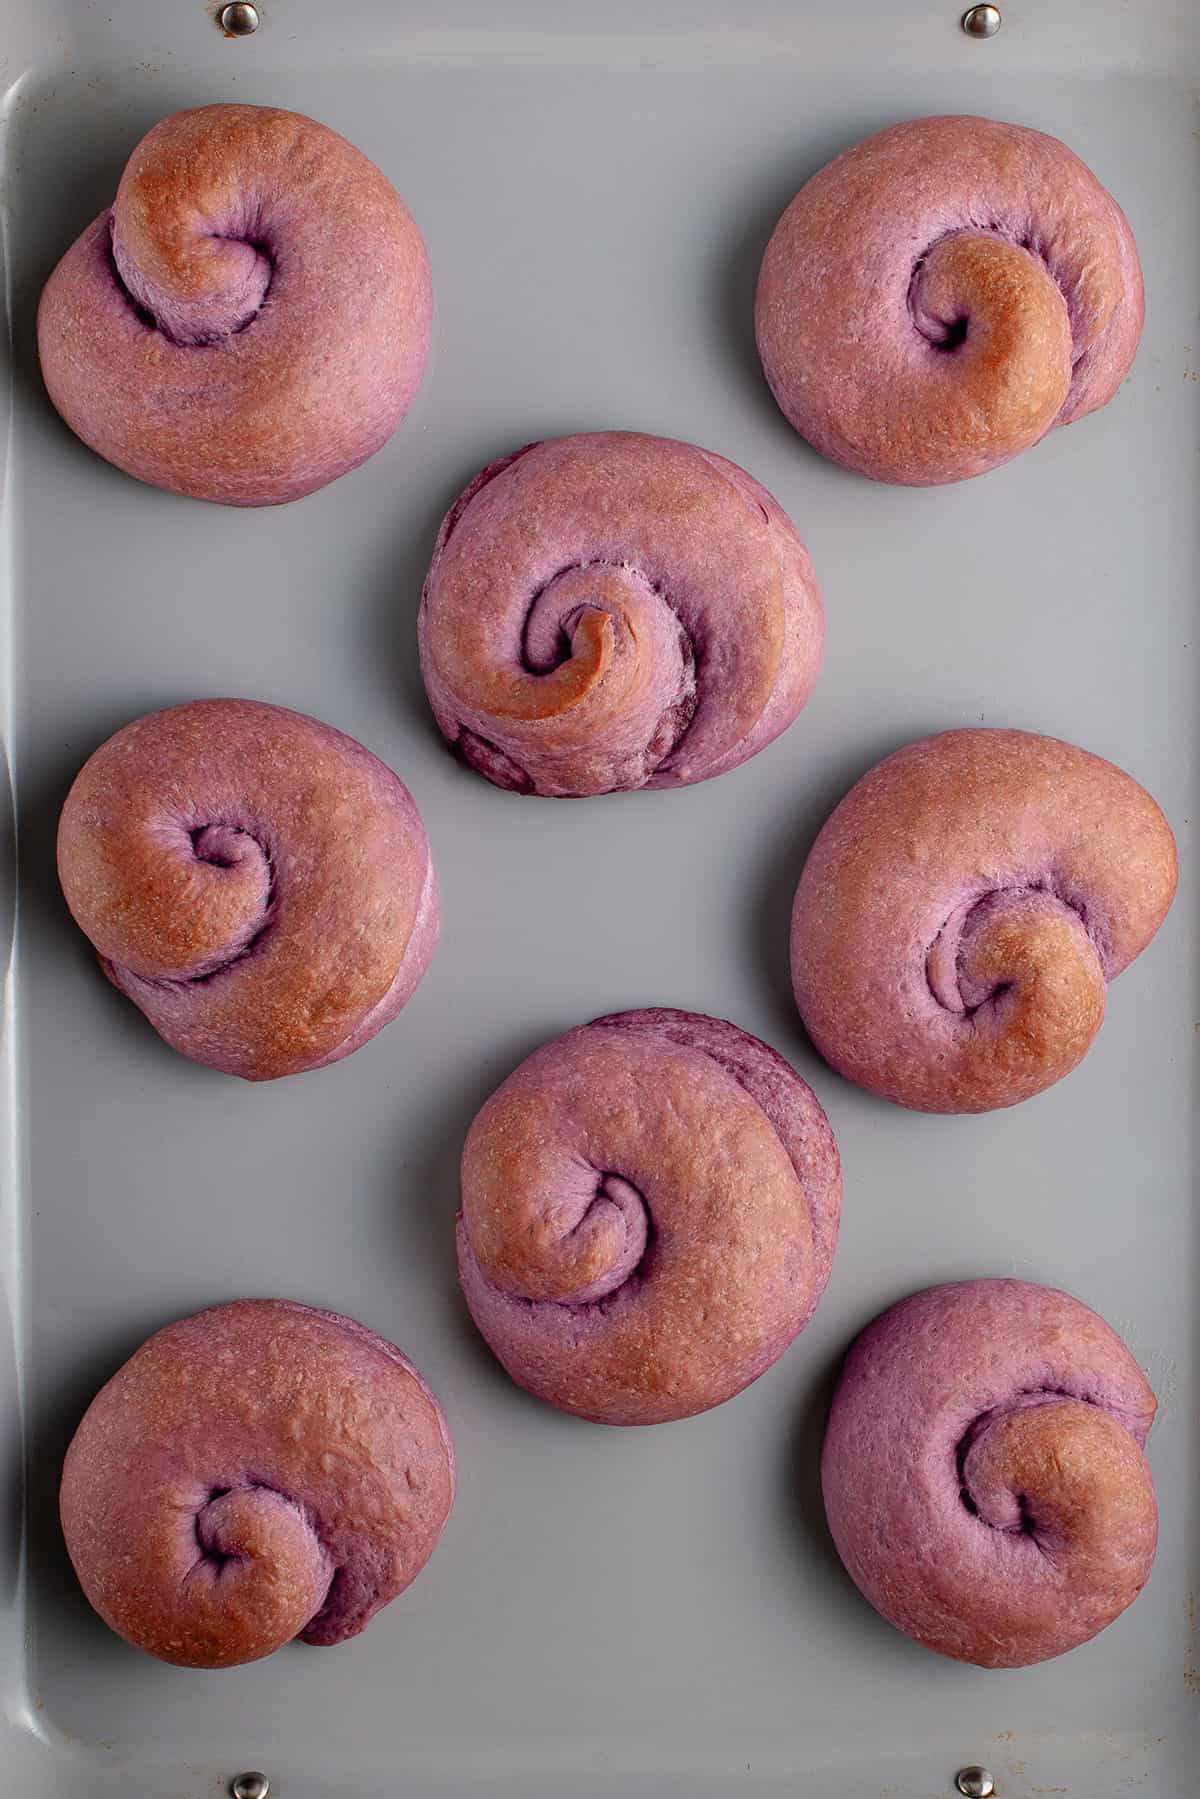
(654, 1612)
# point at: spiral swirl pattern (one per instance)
(251, 317)
(938, 297)
(254, 1473)
(649, 1213)
(963, 909)
(983, 1471)
(612, 611)
(260, 885)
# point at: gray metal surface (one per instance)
(653, 1612)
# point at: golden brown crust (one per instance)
(644, 502)
(254, 1473)
(983, 1471)
(253, 317)
(612, 610)
(962, 910)
(650, 1209)
(256, 881)
(940, 295)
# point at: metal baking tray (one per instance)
(639, 1612)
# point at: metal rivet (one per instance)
(981, 21)
(976, 1783)
(240, 19)
(254, 1785)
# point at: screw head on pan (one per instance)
(252, 1785)
(975, 1782)
(981, 21)
(238, 19)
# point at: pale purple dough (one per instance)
(261, 1471)
(962, 910)
(251, 317)
(650, 1210)
(259, 884)
(939, 296)
(611, 611)
(983, 1474)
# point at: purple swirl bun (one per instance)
(611, 611)
(257, 1472)
(649, 1214)
(963, 909)
(249, 320)
(938, 297)
(983, 1471)
(258, 884)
